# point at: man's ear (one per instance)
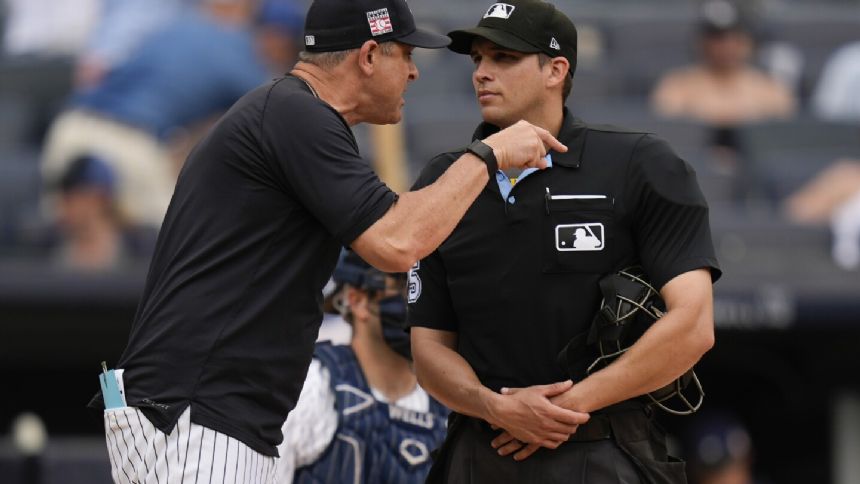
(367, 56)
(357, 301)
(559, 68)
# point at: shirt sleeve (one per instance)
(671, 224)
(311, 426)
(317, 154)
(428, 297)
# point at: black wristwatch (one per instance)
(485, 153)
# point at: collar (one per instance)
(573, 134)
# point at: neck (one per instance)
(384, 369)
(552, 121)
(332, 87)
(549, 116)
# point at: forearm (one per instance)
(668, 349)
(451, 380)
(420, 221)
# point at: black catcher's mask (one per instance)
(630, 306)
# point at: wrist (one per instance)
(486, 153)
(488, 402)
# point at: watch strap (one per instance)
(485, 153)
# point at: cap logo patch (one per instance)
(310, 40)
(500, 10)
(380, 22)
(554, 44)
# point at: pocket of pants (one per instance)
(672, 471)
(117, 418)
(578, 234)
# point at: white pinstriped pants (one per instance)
(141, 454)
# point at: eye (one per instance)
(476, 59)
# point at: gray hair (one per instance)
(330, 60)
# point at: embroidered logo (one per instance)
(310, 40)
(554, 44)
(500, 10)
(380, 22)
(413, 290)
(579, 237)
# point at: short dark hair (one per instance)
(543, 60)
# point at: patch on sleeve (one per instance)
(413, 290)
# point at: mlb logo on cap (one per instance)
(380, 22)
(500, 10)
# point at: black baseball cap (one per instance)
(333, 25)
(529, 26)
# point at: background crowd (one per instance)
(101, 101)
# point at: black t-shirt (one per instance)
(518, 277)
(232, 303)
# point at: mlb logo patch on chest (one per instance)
(380, 22)
(580, 237)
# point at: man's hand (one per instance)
(528, 417)
(523, 145)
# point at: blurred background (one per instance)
(101, 100)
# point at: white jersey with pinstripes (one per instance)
(193, 454)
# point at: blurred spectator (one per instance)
(92, 234)
(833, 196)
(48, 27)
(837, 94)
(175, 83)
(279, 30)
(121, 27)
(723, 88)
(718, 450)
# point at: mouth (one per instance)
(486, 96)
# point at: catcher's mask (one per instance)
(353, 270)
(630, 306)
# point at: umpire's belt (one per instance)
(597, 428)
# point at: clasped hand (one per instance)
(529, 420)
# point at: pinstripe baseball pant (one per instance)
(141, 454)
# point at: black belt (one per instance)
(598, 427)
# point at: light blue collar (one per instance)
(505, 185)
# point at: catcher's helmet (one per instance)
(630, 306)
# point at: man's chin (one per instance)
(392, 118)
(493, 116)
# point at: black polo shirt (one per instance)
(231, 307)
(518, 277)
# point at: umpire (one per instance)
(225, 330)
(488, 322)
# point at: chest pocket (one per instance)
(578, 233)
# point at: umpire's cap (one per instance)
(333, 25)
(529, 26)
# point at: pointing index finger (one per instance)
(550, 141)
